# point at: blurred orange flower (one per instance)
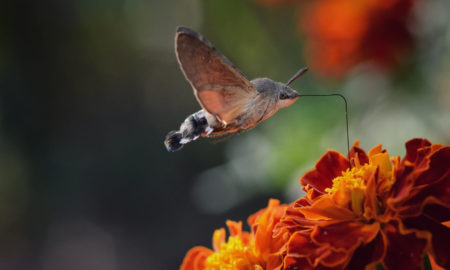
(343, 33)
(242, 250)
(381, 210)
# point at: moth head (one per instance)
(287, 96)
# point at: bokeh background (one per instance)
(89, 89)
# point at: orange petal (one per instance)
(259, 217)
(358, 155)
(423, 183)
(195, 258)
(346, 235)
(218, 239)
(403, 251)
(376, 150)
(263, 227)
(384, 164)
(437, 168)
(368, 255)
(329, 166)
(440, 237)
(434, 265)
(437, 193)
(412, 146)
(301, 246)
(292, 262)
(275, 261)
(234, 227)
(371, 206)
(325, 208)
(438, 213)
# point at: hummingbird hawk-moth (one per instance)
(230, 101)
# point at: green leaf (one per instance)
(426, 263)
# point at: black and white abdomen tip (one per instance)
(173, 141)
(190, 130)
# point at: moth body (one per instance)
(230, 101)
(270, 97)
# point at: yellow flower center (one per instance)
(350, 189)
(233, 255)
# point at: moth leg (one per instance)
(208, 130)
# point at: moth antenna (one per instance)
(297, 75)
(346, 113)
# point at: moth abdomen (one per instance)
(172, 141)
(195, 125)
(190, 130)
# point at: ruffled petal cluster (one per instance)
(358, 212)
(379, 210)
(242, 250)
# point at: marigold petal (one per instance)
(219, 236)
(437, 212)
(263, 225)
(294, 221)
(438, 167)
(368, 255)
(234, 227)
(433, 263)
(384, 164)
(424, 182)
(412, 146)
(195, 258)
(376, 150)
(357, 153)
(401, 188)
(272, 213)
(403, 251)
(275, 261)
(437, 193)
(301, 246)
(371, 197)
(329, 166)
(292, 262)
(325, 208)
(346, 235)
(439, 234)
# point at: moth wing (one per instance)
(219, 86)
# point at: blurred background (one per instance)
(89, 89)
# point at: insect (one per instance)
(230, 101)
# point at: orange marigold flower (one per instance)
(380, 210)
(343, 33)
(242, 250)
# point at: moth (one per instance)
(230, 101)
